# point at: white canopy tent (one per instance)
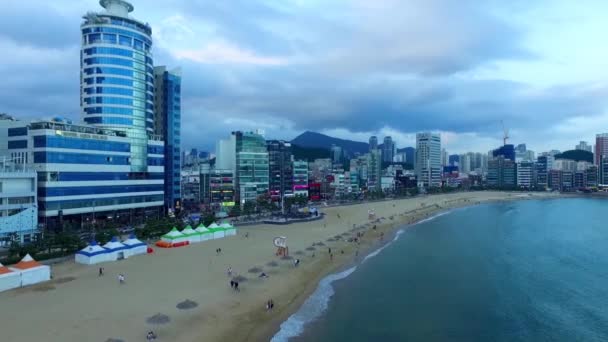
(115, 249)
(229, 229)
(192, 235)
(134, 246)
(218, 232)
(9, 279)
(206, 234)
(31, 271)
(92, 254)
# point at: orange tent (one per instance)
(4, 269)
(26, 263)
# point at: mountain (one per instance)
(309, 153)
(317, 140)
(576, 155)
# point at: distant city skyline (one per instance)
(281, 67)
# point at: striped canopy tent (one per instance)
(206, 234)
(9, 279)
(174, 238)
(191, 234)
(31, 271)
(134, 246)
(92, 254)
(228, 228)
(217, 231)
(116, 249)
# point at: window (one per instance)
(17, 131)
(21, 200)
(94, 38)
(124, 40)
(15, 144)
(138, 45)
(0, 186)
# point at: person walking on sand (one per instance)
(229, 271)
(232, 284)
(236, 286)
(100, 271)
(121, 279)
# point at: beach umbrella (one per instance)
(186, 305)
(158, 319)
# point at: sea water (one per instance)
(514, 271)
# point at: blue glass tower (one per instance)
(168, 125)
(117, 76)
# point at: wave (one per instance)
(312, 308)
(317, 303)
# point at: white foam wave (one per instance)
(317, 303)
(312, 308)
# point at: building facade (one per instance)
(117, 76)
(252, 169)
(374, 170)
(584, 146)
(601, 147)
(18, 205)
(280, 166)
(428, 159)
(167, 106)
(373, 143)
(86, 173)
(300, 178)
(525, 174)
(502, 173)
(388, 150)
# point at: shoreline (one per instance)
(267, 332)
(157, 282)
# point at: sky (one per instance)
(349, 69)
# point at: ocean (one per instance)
(513, 271)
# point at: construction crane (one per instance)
(506, 133)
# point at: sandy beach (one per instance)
(79, 305)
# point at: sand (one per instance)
(78, 305)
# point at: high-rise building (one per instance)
(502, 173)
(507, 151)
(373, 143)
(374, 169)
(251, 165)
(300, 178)
(525, 173)
(336, 154)
(542, 172)
(117, 76)
(388, 150)
(603, 170)
(280, 167)
(465, 163)
(601, 147)
(167, 123)
(584, 146)
(444, 157)
(428, 159)
(454, 160)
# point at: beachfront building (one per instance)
(280, 167)
(117, 76)
(246, 154)
(87, 173)
(601, 147)
(167, 124)
(502, 173)
(374, 170)
(18, 208)
(525, 174)
(221, 190)
(428, 159)
(300, 178)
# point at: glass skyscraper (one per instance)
(167, 124)
(117, 76)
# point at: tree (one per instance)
(249, 208)
(235, 211)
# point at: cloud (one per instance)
(350, 68)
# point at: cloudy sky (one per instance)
(345, 68)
